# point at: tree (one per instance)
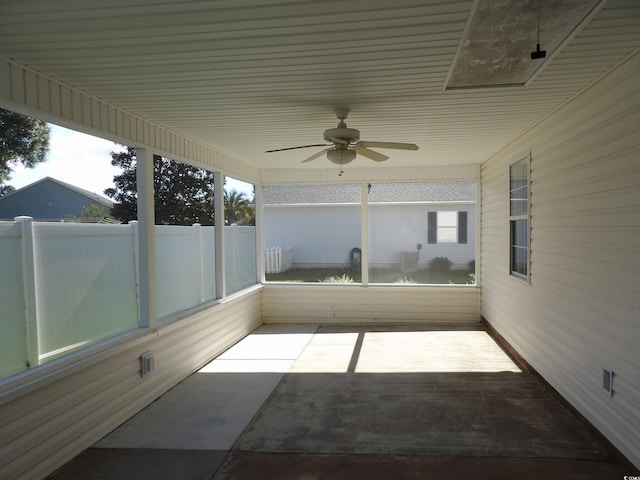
(183, 194)
(6, 190)
(23, 140)
(124, 192)
(95, 213)
(238, 208)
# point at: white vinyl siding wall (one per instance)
(321, 236)
(355, 304)
(581, 311)
(397, 228)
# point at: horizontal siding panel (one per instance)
(343, 304)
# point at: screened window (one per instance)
(418, 232)
(184, 235)
(68, 278)
(312, 233)
(239, 234)
(519, 217)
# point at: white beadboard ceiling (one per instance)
(247, 76)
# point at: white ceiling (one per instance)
(246, 76)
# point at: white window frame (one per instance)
(519, 217)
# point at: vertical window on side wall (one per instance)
(519, 180)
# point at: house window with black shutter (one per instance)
(447, 227)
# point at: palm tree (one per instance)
(238, 209)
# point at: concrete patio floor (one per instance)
(347, 402)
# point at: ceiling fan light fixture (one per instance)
(341, 156)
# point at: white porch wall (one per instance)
(355, 304)
(581, 312)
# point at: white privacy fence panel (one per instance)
(85, 284)
(277, 259)
(185, 267)
(240, 257)
(64, 286)
(13, 346)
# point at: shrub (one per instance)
(335, 279)
(440, 264)
(472, 265)
(405, 281)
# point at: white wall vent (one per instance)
(147, 363)
(607, 381)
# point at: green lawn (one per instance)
(375, 276)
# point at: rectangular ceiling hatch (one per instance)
(500, 35)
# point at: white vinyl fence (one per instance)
(278, 259)
(240, 257)
(64, 286)
(185, 267)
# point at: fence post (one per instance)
(29, 288)
(136, 261)
(199, 262)
(218, 206)
(146, 240)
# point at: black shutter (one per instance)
(462, 227)
(432, 227)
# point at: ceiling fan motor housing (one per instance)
(342, 134)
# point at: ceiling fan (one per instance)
(346, 144)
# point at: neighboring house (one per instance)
(49, 199)
(321, 223)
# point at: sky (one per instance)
(84, 161)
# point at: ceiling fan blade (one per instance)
(317, 155)
(295, 148)
(365, 152)
(396, 145)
